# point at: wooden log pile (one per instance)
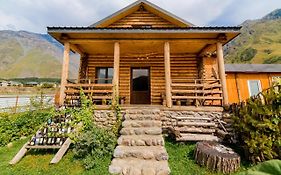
(217, 157)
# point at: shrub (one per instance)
(272, 60)
(248, 54)
(258, 126)
(15, 126)
(91, 143)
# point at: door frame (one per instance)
(131, 81)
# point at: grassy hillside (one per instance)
(25, 54)
(259, 42)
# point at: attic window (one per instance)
(142, 26)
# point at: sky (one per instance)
(36, 15)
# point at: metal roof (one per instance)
(143, 30)
(139, 2)
(253, 68)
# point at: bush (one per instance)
(15, 126)
(91, 143)
(248, 54)
(273, 60)
(258, 126)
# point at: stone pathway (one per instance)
(140, 149)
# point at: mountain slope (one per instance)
(26, 54)
(259, 42)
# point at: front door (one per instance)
(140, 86)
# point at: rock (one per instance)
(135, 171)
(114, 169)
(148, 171)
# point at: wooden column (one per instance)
(222, 72)
(115, 81)
(64, 73)
(167, 74)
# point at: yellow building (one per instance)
(245, 80)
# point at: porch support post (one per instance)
(167, 74)
(222, 72)
(64, 73)
(115, 81)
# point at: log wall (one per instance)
(182, 67)
(142, 17)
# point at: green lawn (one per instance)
(37, 162)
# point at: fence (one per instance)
(17, 103)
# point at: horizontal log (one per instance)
(197, 137)
(196, 98)
(194, 130)
(198, 91)
(206, 124)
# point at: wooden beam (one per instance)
(64, 73)
(115, 80)
(19, 155)
(109, 40)
(207, 50)
(61, 151)
(167, 74)
(222, 72)
(76, 48)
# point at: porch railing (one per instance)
(100, 94)
(197, 92)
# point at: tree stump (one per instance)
(217, 157)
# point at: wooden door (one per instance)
(140, 86)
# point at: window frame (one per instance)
(249, 88)
(106, 79)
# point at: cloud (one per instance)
(35, 15)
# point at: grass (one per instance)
(181, 159)
(37, 162)
(181, 162)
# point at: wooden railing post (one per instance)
(167, 74)
(222, 72)
(64, 73)
(115, 81)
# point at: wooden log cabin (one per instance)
(143, 54)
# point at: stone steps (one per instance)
(141, 131)
(134, 166)
(142, 117)
(141, 140)
(141, 123)
(142, 152)
(140, 149)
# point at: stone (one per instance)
(135, 171)
(162, 172)
(115, 169)
(147, 155)
(148, 171)
(140, 142)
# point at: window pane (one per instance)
(110, 75)
(101, 75)
(254, 86)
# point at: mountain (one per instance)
(259, 41)
(26, 54)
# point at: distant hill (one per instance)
(259, 42)
(26, 54)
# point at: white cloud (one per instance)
(35, 15)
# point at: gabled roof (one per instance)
(253, 68)
(135, 6)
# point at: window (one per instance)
(104, 75)
(254, 87)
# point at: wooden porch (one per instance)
(178, 78)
